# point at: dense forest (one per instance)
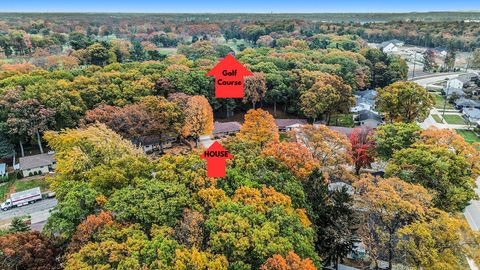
(91, 86)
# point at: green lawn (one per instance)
(468, 135)
(437, 118)
(24, 185)
(440, 102)
(342, 120)
(454, 119)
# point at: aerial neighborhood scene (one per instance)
(255, 135)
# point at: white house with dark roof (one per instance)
(37, 164)
(368, 118)
(289, 124)
(471, 114)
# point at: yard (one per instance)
(437, 118)
(21, 185)
(468, 135)
(440, 102)
(454, 119)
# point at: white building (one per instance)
(37, 164)
(390, 48)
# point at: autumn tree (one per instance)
(429, 61)
(363, 145)
(438, 169)
(438, 242)
(26, 118)
(290, 262)
(259, 127)
(189, 231)
(404, 102)
(86, 230)
(329, 147)
(28, 250)
(453, 141)
(294, 155)
(198, 118)
(393, 137)
(255, 88)
(390, 205)
(328, 95)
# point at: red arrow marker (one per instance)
(229, 81)
(216, 157)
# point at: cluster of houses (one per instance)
(465, 90)
(364, 113)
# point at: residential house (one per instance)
(462, 103)
(463, 85)
(471, 114)
(289, 124)
(391, 45)
(3, 170)
(364, 100)
(441, 51)
(37, 164)
(390, 48)
(153, 143)
(222, 129)
(368, 118)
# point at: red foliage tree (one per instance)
(291, 262)
(363, 145)
(28, 250)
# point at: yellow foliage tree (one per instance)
(259, 127)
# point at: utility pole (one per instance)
(414, 63)
(446, 98)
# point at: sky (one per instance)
(229, 6)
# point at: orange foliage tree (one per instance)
(298, 158)
(291, 262)
(198, 118)
(259, 127)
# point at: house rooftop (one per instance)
(225, 127)
(472, 113)
(36, 161)
(283, 123)
(465, 102)
(367, 114)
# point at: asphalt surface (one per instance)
(32, 209)
(472, 212)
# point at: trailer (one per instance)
(22, 198)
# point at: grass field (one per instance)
(24, 185)
(454, 119)
(3, 190)
(437, 118)
(468, 135)
(440, 102)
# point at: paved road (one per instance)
(37, 211)
(472, 212)
(423, 81)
